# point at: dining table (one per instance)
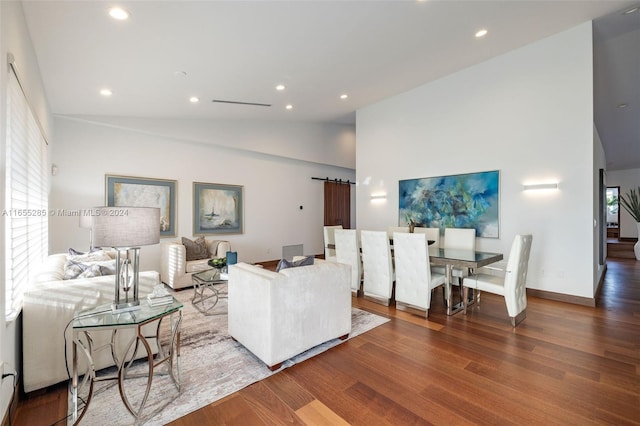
(456, 258)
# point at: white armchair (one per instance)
(176, 271)
(512, 286)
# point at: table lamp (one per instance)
(126, 229)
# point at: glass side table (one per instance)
(101, 319)
(206, 289)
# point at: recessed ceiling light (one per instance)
(194, 99)
(630, 11)
(481, 33)
(623, 106)
(289, 106)
(106, 92)
(118, 13)
(344, 96)
(280, 87)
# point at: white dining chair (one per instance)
(392, 229)
(458, 239)
(512, 286)
(414, 279)
(378, 267)
(330, 253)
(432, 234)
(348, 251)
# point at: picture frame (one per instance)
(470, 200)
(131, 191)
(217, 209)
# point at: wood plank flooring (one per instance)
(564, 364)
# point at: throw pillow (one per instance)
(74, 269)
(196, 249)
(284, 263)
(74, 252)
(92, 271)
(94, 256)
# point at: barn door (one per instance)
(337, 204)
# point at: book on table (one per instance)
(159, 300)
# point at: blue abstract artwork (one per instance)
(469, 200)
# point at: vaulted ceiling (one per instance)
(239, 51)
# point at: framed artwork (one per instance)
(130, 191)
(217, 209)
(469, 200)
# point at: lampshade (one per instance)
(126, 226)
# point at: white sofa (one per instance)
(49, 305)
(176, 272)
(277, 315)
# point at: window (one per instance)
(26, 197)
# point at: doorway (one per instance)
(613, 212)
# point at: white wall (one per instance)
(527, 113)
(626, 180)
(14, 38)
(274, 186)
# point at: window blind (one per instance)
(26, 197)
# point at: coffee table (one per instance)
(206, 289)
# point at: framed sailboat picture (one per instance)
(217, 209)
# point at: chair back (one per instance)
(432, 234)
(329, 253)
(376, 262)
(348, 251)
(515, 277)
(460, 238)
(392, 229)
(413, 273)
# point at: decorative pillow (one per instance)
(74, 252)
(284, 263)
(74, 269)
(92, 271)
(196, 249)
(94, 256)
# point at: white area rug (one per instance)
(212, 366)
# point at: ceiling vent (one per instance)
(220, 101)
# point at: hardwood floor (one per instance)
(564, 364)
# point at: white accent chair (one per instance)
(512, 286)
(414, 280)
(432, 234)
(378, 267)
(176, 271)
(330, 253)
(277, 315)
(348, 252)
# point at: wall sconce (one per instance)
(537, 186)
(378, 197)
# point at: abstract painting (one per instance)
(129, 191)
(217, 209)
(469, 200)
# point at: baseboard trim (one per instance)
(559, 297)
(600, 283)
